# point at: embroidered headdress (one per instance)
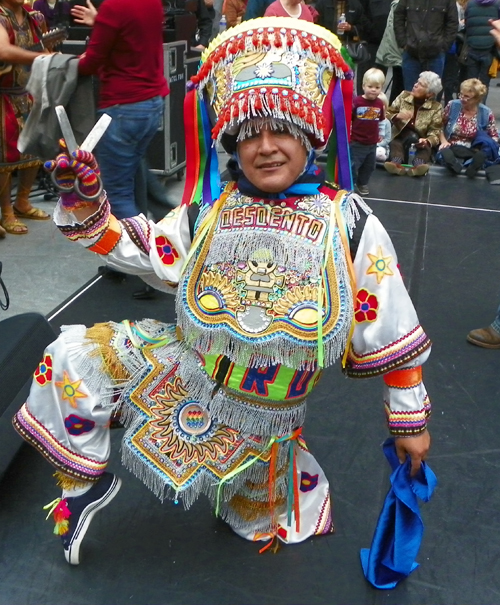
(276, 68)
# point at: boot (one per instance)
(488, 338)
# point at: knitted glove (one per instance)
(76, 176)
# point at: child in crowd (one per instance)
(384, 133)
(367, 113)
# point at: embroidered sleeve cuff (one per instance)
(87, 232)
(388, 358)
(405, 423)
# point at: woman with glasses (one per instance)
(470, 136)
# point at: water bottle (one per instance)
(411, 154)
(222, 24)
(340, 31)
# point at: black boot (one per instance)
(451, 161)
(475, 165)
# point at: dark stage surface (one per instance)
(142, 552)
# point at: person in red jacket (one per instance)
(126, 52)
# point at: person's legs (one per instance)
(478, 159)
(412, 68)
(450, 159)
(9, 221)
(367, 166)
(362, 68)
(398, 85)
(22, 206)
(67, 416)
(436, 64)
(121, 149)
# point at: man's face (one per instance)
(272, 160)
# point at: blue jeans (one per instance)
(121, 149)
(412, 68)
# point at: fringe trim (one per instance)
(255, 419)
(350, 210)
(206, 483)
(227, 247)
(102, 336)
(67, 483)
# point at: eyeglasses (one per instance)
(465, 97)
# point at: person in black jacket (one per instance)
(425, 30)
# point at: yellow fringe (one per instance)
(251, 510)
(68, 483)
(101, 335)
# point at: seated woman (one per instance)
(215, 404)
(469, 133)
(416, 119)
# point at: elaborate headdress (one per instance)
(276, 68)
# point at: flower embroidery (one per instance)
(366, 306)
(43, 374)
(78, 426)
(167, 253)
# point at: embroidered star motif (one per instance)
(380, 265)
(70, 390)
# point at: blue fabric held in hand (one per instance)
(399, 530)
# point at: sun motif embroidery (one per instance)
(43, 374)
(185, 432)
(380, 265)
(366, 306)
(167, 253)
(70, 392)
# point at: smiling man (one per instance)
(275, 280)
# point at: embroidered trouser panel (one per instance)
(173, 441)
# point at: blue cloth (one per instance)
(399, 530)
(488, 146)
(122, 147)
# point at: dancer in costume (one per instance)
(276, 274)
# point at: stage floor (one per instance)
(142, 552)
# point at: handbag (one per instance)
(358, 51)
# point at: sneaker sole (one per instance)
(72, 554)
(484, 345)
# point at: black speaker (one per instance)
(166, 153)
(23, 339)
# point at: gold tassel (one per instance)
(101, 335)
